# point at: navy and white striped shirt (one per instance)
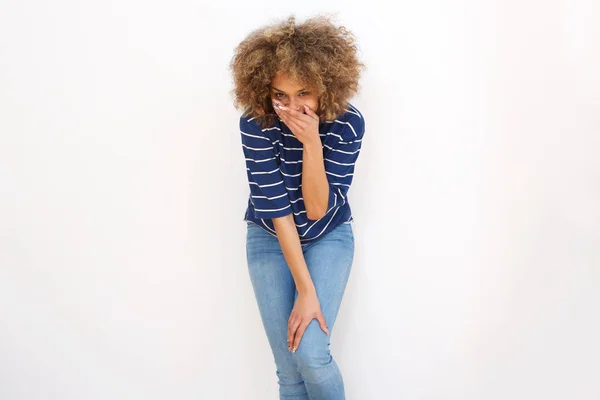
(274, 168)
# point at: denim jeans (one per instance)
(310, 372)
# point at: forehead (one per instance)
(285, 83)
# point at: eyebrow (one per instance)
(284, 92)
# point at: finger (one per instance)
(277, 107)
(310, 112)
(294, 329)
(294, 125)
(294, 114)
(286, 116)
(292, 334)
(295, 120)
(322, 322)
(289, 330)
(299, 115)
(299, 334)
(278, 112)
(290, 338)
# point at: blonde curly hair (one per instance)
(315, 53)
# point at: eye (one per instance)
(277, 94)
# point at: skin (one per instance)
(297, 113)
(294, 104)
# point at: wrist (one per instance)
(314, 143)
(306, 289)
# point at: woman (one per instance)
(301, 138)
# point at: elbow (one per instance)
(315, 211)
(314, 215)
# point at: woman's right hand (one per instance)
(306, 308)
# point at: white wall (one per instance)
(476, 200)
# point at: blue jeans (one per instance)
(310, 373)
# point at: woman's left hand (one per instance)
(305, 127)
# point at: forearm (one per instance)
(315, 186)
(287, 234)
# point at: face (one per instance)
(292, 94)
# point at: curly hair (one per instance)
(316, 54)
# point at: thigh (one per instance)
(329, 262)
(272, 282)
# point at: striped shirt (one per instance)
(274, 168)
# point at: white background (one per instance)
(476, 202)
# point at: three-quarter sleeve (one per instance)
(268, 193)
(341, 149)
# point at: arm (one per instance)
(267, 189)
(287, 234)
(315, 187)
(327, 170)
(306, 306)
(270, 200)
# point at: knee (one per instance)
(313, 356)
(287, 370)
(288, 375)
(291, 383)
(312, 362)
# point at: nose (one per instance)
(294, 104)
